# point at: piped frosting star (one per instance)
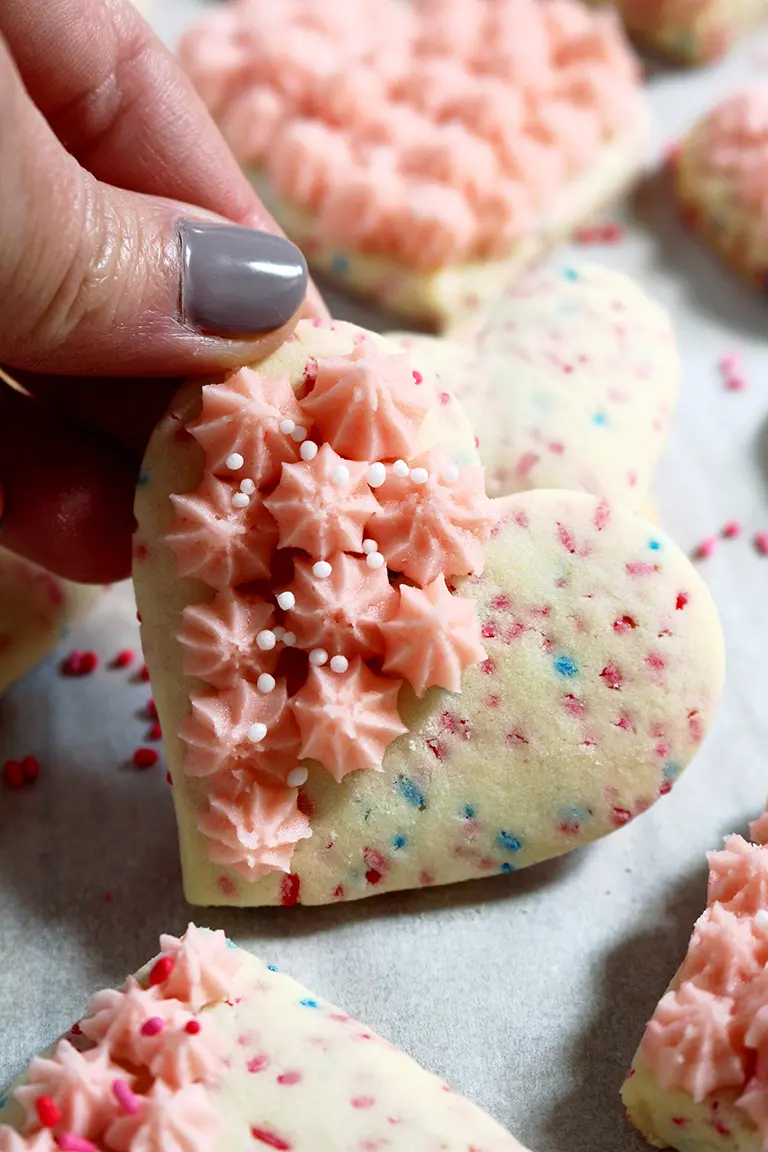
(184, 1121)
(724, 952)
(189, 1057)
(253, 829)
(347, 720)
(220, 639)
(368, 405)
(322, 505)
(434, 520)
(431, 637)
(341, 613)
(204, 966)
(738, 876)
(243, 730)
(13, 1141)
(79, 1083)
(219, 543)
(243, 416)
(117, 1018)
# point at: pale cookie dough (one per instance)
(698, 1081)
(569, 380)
(208, 1049)
(600, 674)
(424, 156)
(721, 177)
(36, 612)
(692, 31)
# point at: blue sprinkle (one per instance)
(273, 967)
(654, 545)
(671, 770)
(575, 814)
(309, 1003)
(142, 480)
(398, 842)
(509, 842)
(410, 792)
(340, 265)
(507, 867)
(469, 812)
(570, 274)
(565, 666)
(599, 418)
(230, 944)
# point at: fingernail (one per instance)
(238, 282)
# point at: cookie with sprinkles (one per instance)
(698, 1080)
(457, 686)
(208, 1049)
(692, 33)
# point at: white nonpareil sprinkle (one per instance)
(240, 500)
(234, 461)
(299, 434)
(321, 569)
(374, 560)
(370, 546)
(318, 656)
(286, 600)
(400, 468)
(265, 682)
(761, 918)
(340, 474)
(451, 474)
(308, 450)
(256, 733)
(279, 631)
(419, 475)
(339, 663)
(289, 639)
(376, 475)
(296, 777)
(248, 487)
(266, 640)
(287, 427)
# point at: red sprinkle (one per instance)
(417, 377)
(13, 774)
(152, 709)
(155, 733)
(271, 1139)
(706, 548)
(124, 657)
(682, 600)
(761, 542)
(47, 1111)
(145, 757)
(143, 672)
(80, 663)
(161, 971)
(30, 768)
(192, 1027)
(152, 1026)
(731, 530)
(289, 890)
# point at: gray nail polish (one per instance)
(237, 281)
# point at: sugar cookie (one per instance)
(692, 32)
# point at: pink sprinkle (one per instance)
(525, 463)
(417, 377)
(128, 1102)
(288, 1078)
(69, 1142)
(362, 1101)
(706, 548)
(731, 530)
(152, 1026)
(271, 1139)
(730, 371)
(761, 542)
(258, 1063)
(640, 568)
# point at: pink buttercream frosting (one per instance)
(219, 543)
(437, 526)
(116, 1018)
(738, 876)
(431, 637)
(219, 639)
(368, 405)
(169, 1121)
(253, 829)
(323, 505)
(204, 966)
(347, 720)
(188, 1057)
(343, 612)
(556, 77)
(13, 1141)
(724, 953)
(79, 1083)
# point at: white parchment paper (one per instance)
(527, 992)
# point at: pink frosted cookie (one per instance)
(721, 180)
(36, 609)
(423, 155)
(370, 676)
(569, 381)
(692, 30)
(699, 1080)
(207, 1049)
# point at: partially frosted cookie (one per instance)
(569, 381)
(699, 1081)
(721, 177)
(370, 676)
(36, 610)
(424, 155)
(692, 32)
(208, 1049)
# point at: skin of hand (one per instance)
(133, 253)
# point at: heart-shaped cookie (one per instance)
(424, 155)
(569, 381)
(691, 33)
(317, 744)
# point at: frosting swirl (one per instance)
(80, 1083)
(219, 639)
(204, 966)
(116, 1019)
(343, 612)
(724, 952)
(253, 829)
(738, 876)
(168, 1121)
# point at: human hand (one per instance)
(119, 273)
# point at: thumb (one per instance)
(98, 280)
